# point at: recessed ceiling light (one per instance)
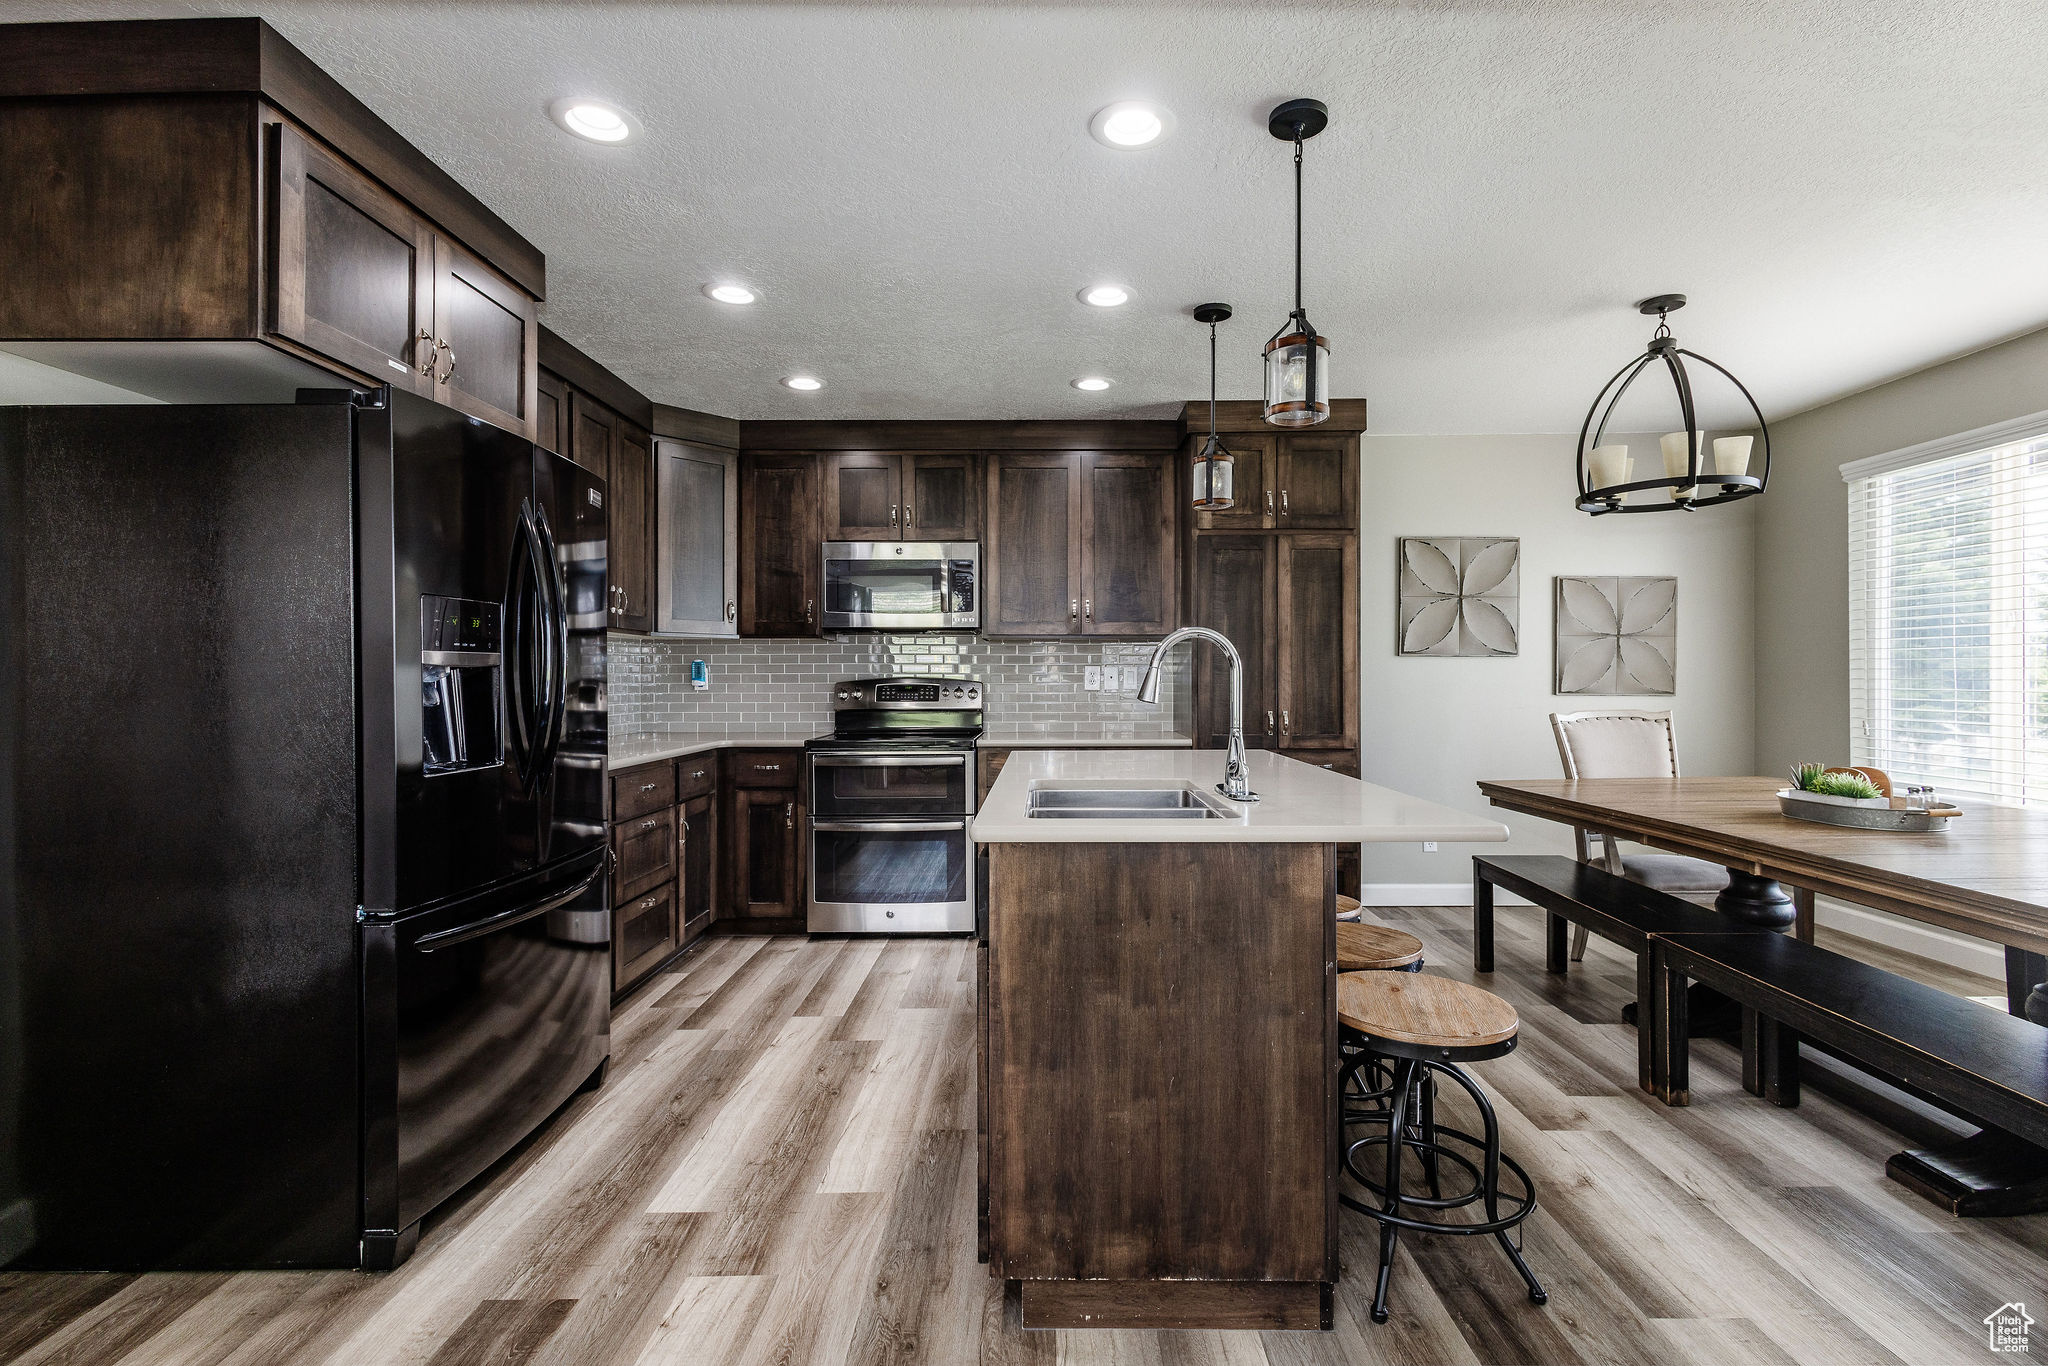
(1105, 296)
(594, 120)
(1092, 383)
(1130, 124)
(803, 383)
(731, 294)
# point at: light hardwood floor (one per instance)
(781, 1170)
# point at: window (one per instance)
(1948, 613)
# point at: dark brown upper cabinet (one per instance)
(1081, 543)
(863, 496)
(1256, 497)
(1317, 479)
(629, 553)
(486, 340)
(780, 544)
(1232, 588)
(551, 413)
(352, 268)
(942, 497)
(593, 430)
(882, 496)
(1031, 559)
(1316, 640)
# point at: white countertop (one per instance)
(1298, 803)
(1041, 739)
(646, 747)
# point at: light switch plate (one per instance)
(1133, 676)
(1091, 678)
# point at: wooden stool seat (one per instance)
(1423, 1010)
(1347, 907)
(1363, 947)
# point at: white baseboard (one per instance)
(1907, 936)
(1910, 936)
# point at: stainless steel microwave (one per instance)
(903, 585)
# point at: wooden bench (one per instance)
(1989, 1066)
(1623, 912)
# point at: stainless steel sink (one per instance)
(1122, 804)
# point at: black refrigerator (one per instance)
(303, 909)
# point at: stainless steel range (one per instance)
(891, 795)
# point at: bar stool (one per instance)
(1348, 907)
(1365, 947)
(1420, 1027)
(1364, 1085)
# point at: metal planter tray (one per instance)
(1801, 806)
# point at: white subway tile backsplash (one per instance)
(784, 685)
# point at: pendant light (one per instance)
(1692, 477)
(1214, 463)
(1297, 356)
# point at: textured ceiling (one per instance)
(1847, 191)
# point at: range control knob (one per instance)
(842, 694)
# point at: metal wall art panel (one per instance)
(1460, 595)
(1617, 636)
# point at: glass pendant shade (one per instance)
(1297, 380)
(1214, 481)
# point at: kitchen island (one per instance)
(1158, 1034)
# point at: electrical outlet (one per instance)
(1429, 846)
(1091, 678)
(1133, 676)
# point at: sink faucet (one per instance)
(1236, 783)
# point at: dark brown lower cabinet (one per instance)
(643, 853)
(697, 832)
(767, 877)
(643, 936)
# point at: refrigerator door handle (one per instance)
(533, 659)
(555, 601)
(476, 929)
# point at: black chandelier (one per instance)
(1691, 478)
(1297, 356)
(1213, 463)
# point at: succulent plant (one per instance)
(1816, 778)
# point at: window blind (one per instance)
(1948, 617)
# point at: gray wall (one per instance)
(1434, 727)
(1802, 608)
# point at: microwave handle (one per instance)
(862, 827)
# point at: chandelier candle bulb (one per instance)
(1677, 459)
(1731, 454)
(1610, 465)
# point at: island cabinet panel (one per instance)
(1232, 586)
(1161, 1051)
(780, 537)
(1317, 641)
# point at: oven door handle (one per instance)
(864, 827)
(889, 760)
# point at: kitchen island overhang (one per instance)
(1158, 1039)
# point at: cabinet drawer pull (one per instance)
(647, 787)
(447, 374)
(648, 903)
(698, 774)
(650, 823)
(789, 816)
(807, 611)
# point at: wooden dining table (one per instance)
(1983, 874)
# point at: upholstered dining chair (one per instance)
(1628, 744)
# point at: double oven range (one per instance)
(891, 796)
